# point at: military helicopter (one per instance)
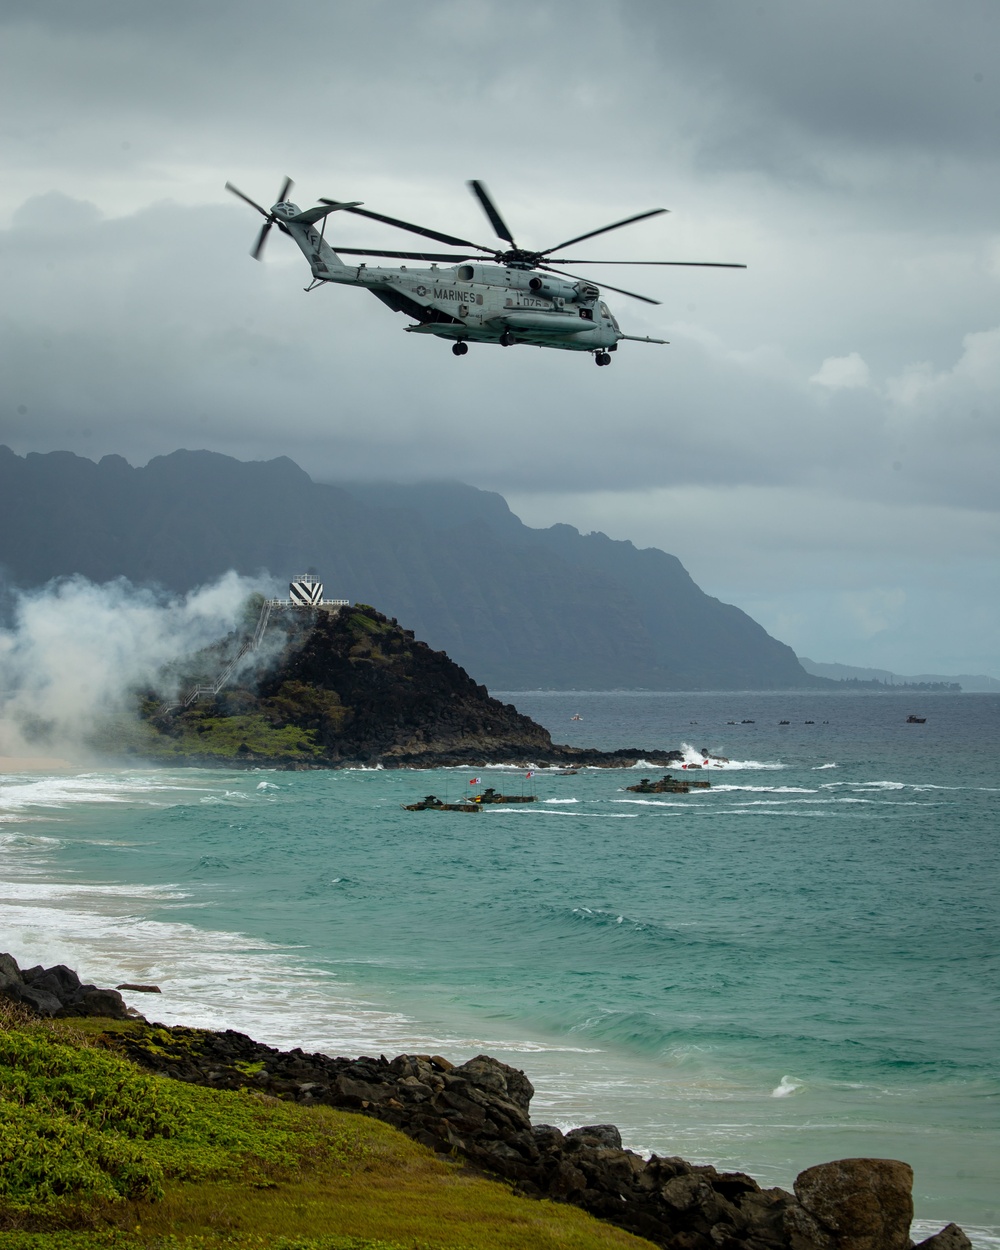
(506, 295)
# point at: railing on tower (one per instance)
(304, 592)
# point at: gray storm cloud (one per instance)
(76, 652)
(845, 153)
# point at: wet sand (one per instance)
(34, 764)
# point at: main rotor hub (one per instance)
(518, 258)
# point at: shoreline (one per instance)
(479, 1112)
(220, 1016)
(13, 764)
(554, 758)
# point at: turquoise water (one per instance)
(799, 964)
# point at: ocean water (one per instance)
(796, 965)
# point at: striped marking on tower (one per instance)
(305, 591)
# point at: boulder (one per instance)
(497, 1078)
(107, 1003)
(39, 1000)
(9, 971)
(59, 981)
(602, 1134)
(853, 1204)
(949, 1238)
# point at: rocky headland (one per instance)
(478, 1111)
(353, 687)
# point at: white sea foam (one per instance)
(61, 792)
(653, 802)
(819, 767)
(787, 1086)
(49, 891)
(981, 1238)
(562, 800)
(713, 762)
(500, 810)
(726, 789)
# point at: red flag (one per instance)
(473, 781)
(529, 774)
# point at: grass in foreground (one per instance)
(95, 1153)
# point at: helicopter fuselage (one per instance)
(473, 302)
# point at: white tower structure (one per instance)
(305, 591)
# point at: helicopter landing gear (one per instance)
(602, 358)
(507, 339)
(460, 348)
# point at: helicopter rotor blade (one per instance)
(265, 230)
(253, 203)
(605, 285)
(368, 251)
(699, 264)
(408, 225)
(616, 225)
(490, 209)
(283, 193)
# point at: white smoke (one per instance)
(76, 652)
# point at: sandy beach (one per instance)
(34, 764)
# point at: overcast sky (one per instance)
(818, 444)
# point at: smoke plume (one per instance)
(76, 652)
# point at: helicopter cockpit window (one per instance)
(605, 310)
(466, 273)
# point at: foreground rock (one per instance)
(58, 991)
(479, 1111)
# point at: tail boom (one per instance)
(324, 262)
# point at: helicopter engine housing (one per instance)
(553, 288)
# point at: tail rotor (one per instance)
(269, 217)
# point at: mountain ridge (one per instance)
(521, 608)
(971, 683)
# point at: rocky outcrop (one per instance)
(58, 991)
(368, 692)
(479, 1111)
(949, 1238)
(854, 1204)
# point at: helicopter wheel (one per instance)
(507, 339)
(602, 358)
(460, 348)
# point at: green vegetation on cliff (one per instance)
(94, 1153)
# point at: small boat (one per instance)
(576, 717)
(567, 772)
(784, 722)
(433, 804)
(916, 720)
(489, 795)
